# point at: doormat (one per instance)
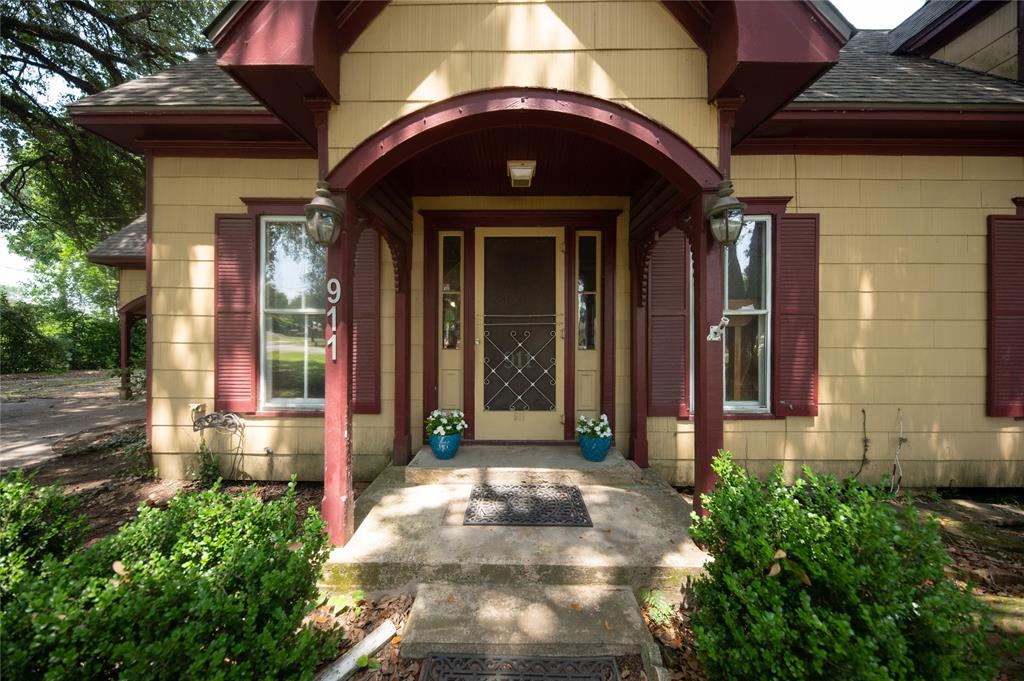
(527, 504)
(488, 668)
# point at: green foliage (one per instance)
(35, 523)
(205, 469)
(211, 587)
(824, 579)
(349, 602)
(659, 609)
(23, 346)
(364, 662)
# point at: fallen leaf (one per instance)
(396, 640)
(119, 568)
(776, 569)
(450, 599)
(294, 546)
(607, 626)
(779, 554)
(575, 606)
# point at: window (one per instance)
(747, 272)
(586, 292)
(292, 295)
(451, 291)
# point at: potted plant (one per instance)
(595, 436)
(444, 429)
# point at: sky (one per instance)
(861, 13)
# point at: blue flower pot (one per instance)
(445, 446)
(595, 448)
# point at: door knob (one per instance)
(476, 341)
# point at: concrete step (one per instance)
(520, 463)
(550, 621)
(412, 534)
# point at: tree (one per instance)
(61, 180)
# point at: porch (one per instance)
(410, 531)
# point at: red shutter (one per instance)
(668, 326)
(1005, 316)
(235, 313)
(366, 325)
(795, 317)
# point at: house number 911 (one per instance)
(333, 296)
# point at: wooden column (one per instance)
(707, 309)
(403, 442)
(337, 506)
(125, 324)
(638, 365)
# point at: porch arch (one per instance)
(661, 149)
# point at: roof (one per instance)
(127, 246)
(199, 83)
(924, 17)
(867, 74)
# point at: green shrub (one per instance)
(828, 580)
(23, 345)
(36, 522)
(211, 587)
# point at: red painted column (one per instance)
(638, 365)
(337, 505)
(125, 324)
(708, 398)
(402, 442)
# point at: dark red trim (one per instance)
(320, 108)
(402, 446)
(638, 370)
(609, 239)
(468, 326)
(727, 108)
(259, 206)
(618, 126)
(217, 148)
(178, 117)
(431, 323)
(1020, 40)
(961, 17)
(1018, 202)
(127, 315)
(880, 147)
(124, 262)
(571, 312)
(151, 217)
(695, 18)
(134, 305)
(286, 413)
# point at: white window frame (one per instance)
(266, 403)
(749, 406)
(735, 406)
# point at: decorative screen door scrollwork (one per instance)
(519, 333)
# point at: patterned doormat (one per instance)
(487, 668)
(527, 504)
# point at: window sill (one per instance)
(742, 416)
(280, 413)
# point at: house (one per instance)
(526, 190)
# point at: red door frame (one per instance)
(466, 221)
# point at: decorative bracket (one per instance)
(399, 251)
(644, 253)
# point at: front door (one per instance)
(519, 332)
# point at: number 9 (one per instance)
(333, 291)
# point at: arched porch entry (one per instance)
(674, 195)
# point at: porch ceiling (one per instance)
(568, 164)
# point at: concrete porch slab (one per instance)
(521, 463)
(540, 620)
(411, 534)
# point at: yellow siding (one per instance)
(988, 47)
(902, 321)
(414, 53)
(187, 193)
(130, 285)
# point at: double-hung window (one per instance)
(747, 353)
(292, 353)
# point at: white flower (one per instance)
(439, 431)
(604, 417)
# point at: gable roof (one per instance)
(125, 247)
(868, 74)
(198, 83)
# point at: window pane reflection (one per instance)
(295, 356)
(295, 272)
(451, 292)
(744, 358)
(745, 268)
(586, 324)
(586, 292)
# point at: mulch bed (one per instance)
(100, 468)
(360, 621)
(678, 650)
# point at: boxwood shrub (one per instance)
(36, 522)
(825, 579)
(211, 587)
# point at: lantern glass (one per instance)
(734, 223)
(323, 217)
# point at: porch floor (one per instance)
(410, 533)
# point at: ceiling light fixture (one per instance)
(521, 173)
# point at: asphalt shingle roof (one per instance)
(127, 242)
(198, 83)
(928, 13)
(868, 74)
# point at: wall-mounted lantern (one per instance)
(726, 215)
(323, 216)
